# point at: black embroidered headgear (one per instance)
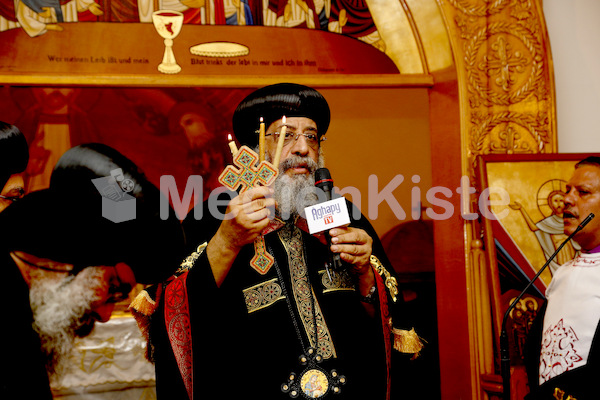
(64, 223)
(273, 102)
(14, 152)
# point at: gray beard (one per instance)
(294, 193)
(62, 311)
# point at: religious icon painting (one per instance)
(314, 382)
(526, 200)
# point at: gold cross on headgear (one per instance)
(246, 174)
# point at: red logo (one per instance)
(328, 219)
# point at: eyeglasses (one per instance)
(312, 139)
(17, 197)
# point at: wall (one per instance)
(574, 31)
(380, 132)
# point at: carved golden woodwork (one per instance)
(503, 60)
(507, 106)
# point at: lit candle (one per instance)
(280, 144)
(232, 145)
(261, 141)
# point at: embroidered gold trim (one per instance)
(291, 237)
(262, 295)
(190, 260)
(341, 281)
(390, 282)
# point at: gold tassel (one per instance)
(143, 304)
(408, 342)
(142, 308)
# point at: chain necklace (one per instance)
(313, 382)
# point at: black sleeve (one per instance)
(25, 374)
(203, 221)
(533, 348)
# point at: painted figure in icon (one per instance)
(549, 230)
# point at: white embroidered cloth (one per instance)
(571, 317)
(109, 364)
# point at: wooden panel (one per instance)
(99, 49)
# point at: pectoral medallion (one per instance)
(313, 382)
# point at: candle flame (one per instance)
(229, 137)
(261, 119)
(283, 119)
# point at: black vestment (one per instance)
(245, 341)
(24, 374)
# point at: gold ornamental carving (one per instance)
(508, 133)
(507, 106)
(479, 8)
(507, 77)
(504, 65)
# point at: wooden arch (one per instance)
(493, 95)
(499, 99)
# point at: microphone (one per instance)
(324, 182)
(504, 351)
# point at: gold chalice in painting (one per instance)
(168, 25)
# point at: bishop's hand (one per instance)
(247, 215)
(354, 245)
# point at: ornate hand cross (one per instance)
(248, 175)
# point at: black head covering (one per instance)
(14, 152)
(273, 102)
(591, 160)
(64, 223)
